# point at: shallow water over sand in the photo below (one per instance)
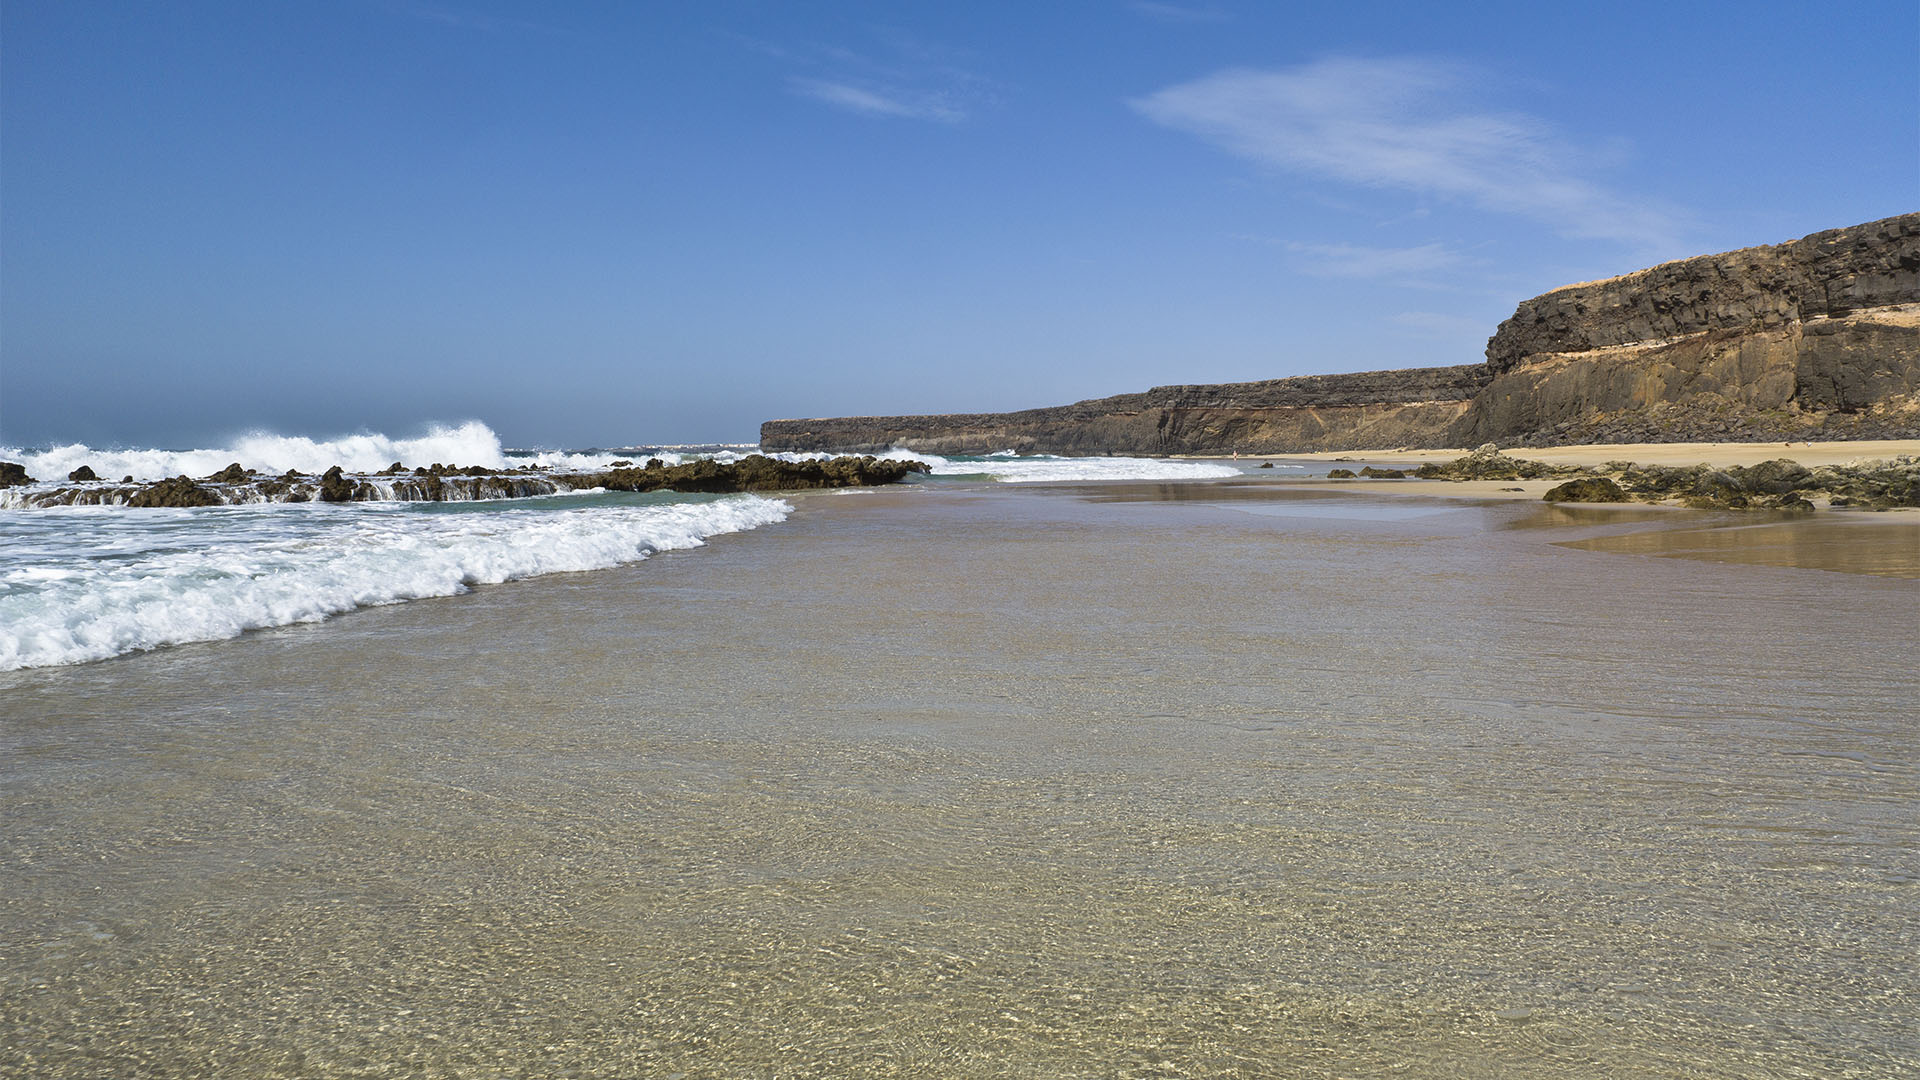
(997, 784)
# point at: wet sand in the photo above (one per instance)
(1142, 780)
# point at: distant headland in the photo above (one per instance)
(1817, 338)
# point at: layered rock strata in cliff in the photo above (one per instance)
(1816, 338)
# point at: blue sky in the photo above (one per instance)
(610, 223)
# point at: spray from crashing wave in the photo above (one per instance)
(470, 443)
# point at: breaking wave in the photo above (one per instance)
(1044, 469)
(471, 443)
(86, 583)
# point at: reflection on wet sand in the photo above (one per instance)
(1850, 543)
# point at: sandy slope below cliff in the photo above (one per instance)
(1716, 454)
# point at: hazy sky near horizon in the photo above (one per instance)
(616, 223)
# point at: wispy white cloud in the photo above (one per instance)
(1178, 13)
(1406, 124)
(1356, 261)
(876, 103)
(896, 75)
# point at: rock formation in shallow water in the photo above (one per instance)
(1814, 339)
(443, 483)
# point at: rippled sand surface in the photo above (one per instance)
(1138, 780)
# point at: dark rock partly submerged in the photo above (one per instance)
(452, 483)
(175, 491)
(1587, 489)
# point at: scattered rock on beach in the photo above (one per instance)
(82, 474)
(1591, 489)
(1383, 474)
(1488, 463)
(232, 474)
(1341, 474)
(13, 474)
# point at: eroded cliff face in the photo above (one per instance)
(1829, 274)
(1369, 409)
(1817, 338)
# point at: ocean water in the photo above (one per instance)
(1208, 777)
(86, 583)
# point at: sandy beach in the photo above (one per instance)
(1206, 779)
(1719, 455)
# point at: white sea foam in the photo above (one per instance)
(1035, 470)
(471, 443)
(1010, 468)
(82, 584)
(588, 461)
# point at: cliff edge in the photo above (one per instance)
(1818, 338)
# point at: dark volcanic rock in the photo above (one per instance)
(82, 474)
(1589, 489)
(1340, 474)
(175, 491)
(232, 474)
(755, 472)
(334, 487)
(1826, 275)
(1488, 463)
(1384, 474)
(1776, 477)
(13, 474)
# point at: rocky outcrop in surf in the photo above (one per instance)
(1818, 338)
(451, 483)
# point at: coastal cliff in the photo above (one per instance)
(1816, 338)
(1371, 408)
